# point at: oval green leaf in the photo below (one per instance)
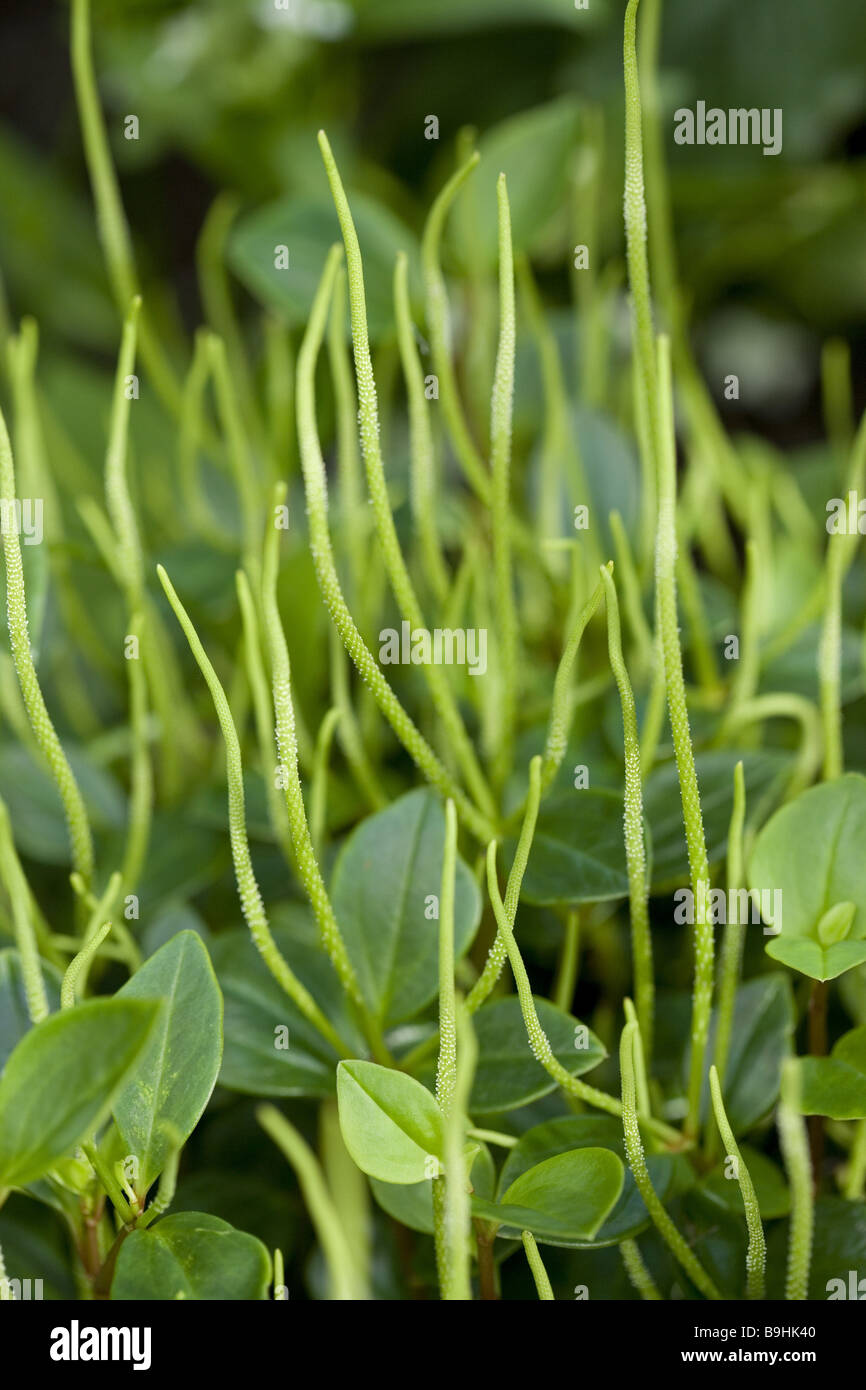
(564, 1198)
(390, 1123)
(191, 1256)
(812, 852)
(60, 1081)
(385, 877)
(163, 1099)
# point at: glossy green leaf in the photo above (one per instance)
(163, 1099)
(836, 1085)
(507, 1073)
(564, 1198)
(629, 1216)
(191, 1256)
(765, 774)
(271, 1049)
(760, 1041)
(387, 873)
(308, 227)
(838, 1265)
(811, 852)
(390, 1123)
(532, 149)
(412, 1203)
(60, 1081)
(578, 852)
(774, 1199)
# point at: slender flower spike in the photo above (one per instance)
(756, 1258)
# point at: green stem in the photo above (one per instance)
(263, 713)
(439, 326)
(538, 1039)
(558, 728)
(252, 905)
(638, 1274)
(635, 847)
(37, 713)
(536, 1264)
(421, 455)
(637, 1162)
(79, 963)
(566, 974)
(638, 267)
(317, 508)
(794, 1140)
(339, 1257)
(111, 221)
(735, 931)
(756, 1256)
(666, 550)
(499, 950)
(18, 892)
(500, 463)
(319, 786)
(398, 575)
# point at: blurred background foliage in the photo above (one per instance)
(229, 95)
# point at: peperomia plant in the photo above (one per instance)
(542, 970)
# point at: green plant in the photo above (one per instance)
(434, 867)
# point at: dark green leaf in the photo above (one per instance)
(386, 875)
(578, 851)
(260, 1019)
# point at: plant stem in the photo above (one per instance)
(398, 575)
(18, 892)
(566, 974)
(499, 950)
(78, 963)
(795, 1151)
(558, 727)
(635, 848)
(111, 221)
(315, 484)
(538, 1039)
(536, 1264)
(339, 1257)
(735, 931)
(252, 905)
(421, 454)
(756, 1256)
(638, 1274)
(37, 713)
(634, 204)
(439, 326)
(637, 1162)
(666, 549)
(500, 461)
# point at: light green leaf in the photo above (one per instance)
(812, 851)
(836, 1085)
(59, 1083)
(391, 1124)
(564, 1198)
(308, 227)
(163, 1099)
(192, 1256)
